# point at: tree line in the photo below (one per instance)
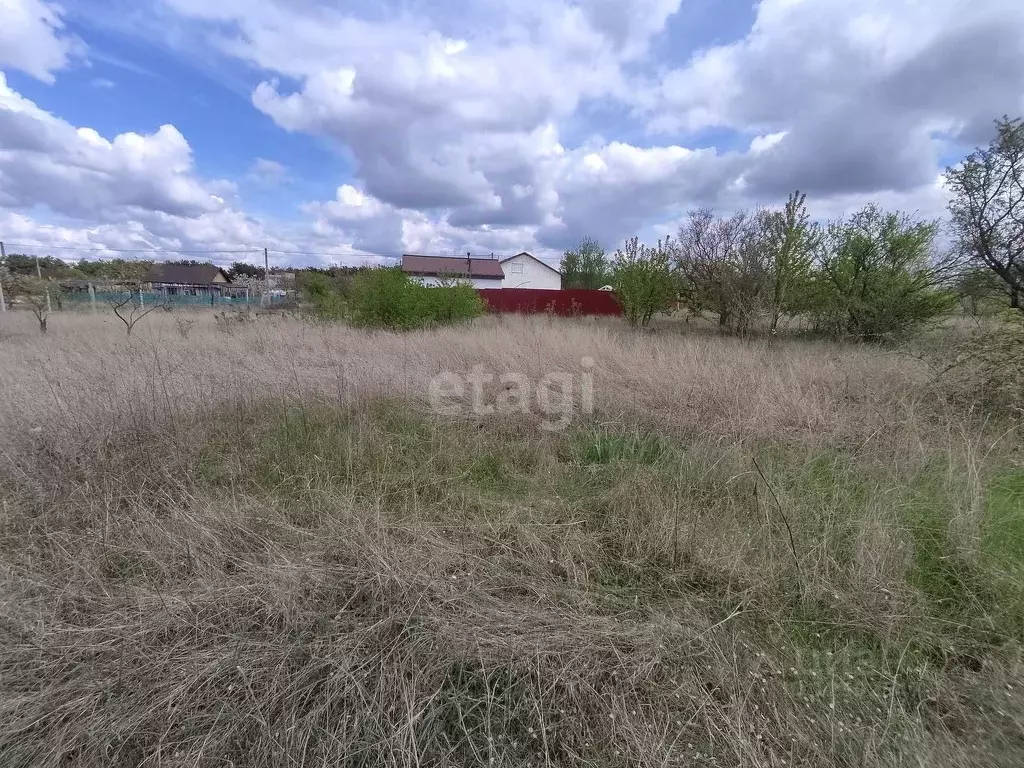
(54, 268)
(875, 274)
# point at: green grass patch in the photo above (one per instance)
(1003, 533)
(940, 572)
(602, 446)
(645, 503)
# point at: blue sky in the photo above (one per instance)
(346, 131)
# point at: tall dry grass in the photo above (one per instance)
(249, 543)
(87, 367)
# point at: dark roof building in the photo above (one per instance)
(198, 275)
(457, 266)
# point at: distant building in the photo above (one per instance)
(527, 271)
(436, 270)
(192, 279)
(183, 278)
(520, 271)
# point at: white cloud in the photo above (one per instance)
(457, 127)
(761, 144)
(45, 161)
(814, 55)
(73, 188)
(350, 205)
(464, 122)
(267, 172)
(32, 38)
(437, 122)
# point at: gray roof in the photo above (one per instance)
(185, 274)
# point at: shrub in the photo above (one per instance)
(449, 304)
(388, 298)
(325, 300)
(184, 326)
(877, 279)
(643, 282)
(989, 365)
(383, 298)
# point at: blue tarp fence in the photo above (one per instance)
(213, 299)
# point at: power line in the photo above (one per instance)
(200, 251)
(128, 250)
(339, 255)
(248, 251)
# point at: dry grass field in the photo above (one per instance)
(232, 543)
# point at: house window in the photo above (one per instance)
(516, 268)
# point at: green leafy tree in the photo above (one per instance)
(979, 290)
(112, 269)
(585, 266)
(877, 278)
(49, 266)
(189, 263)
(987, 207)
(790, 240)
(643, 281)
(747, 268)
(242, 269)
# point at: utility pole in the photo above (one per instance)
(3, 257)
(266, 279)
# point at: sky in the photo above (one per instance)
(348, 132)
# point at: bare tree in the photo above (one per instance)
(34, 292)
(129, 306)
(987, 208)
(723, 266)
(126, 298)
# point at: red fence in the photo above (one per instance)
(530, 301)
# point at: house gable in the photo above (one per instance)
(533, 258)
(526, 271)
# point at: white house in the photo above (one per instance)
(435, 270)
(519, 271)
(526, 271)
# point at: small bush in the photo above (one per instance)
(228, 322)
(325, 300)
(989, 366)
(184, 326)
(388, 298)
